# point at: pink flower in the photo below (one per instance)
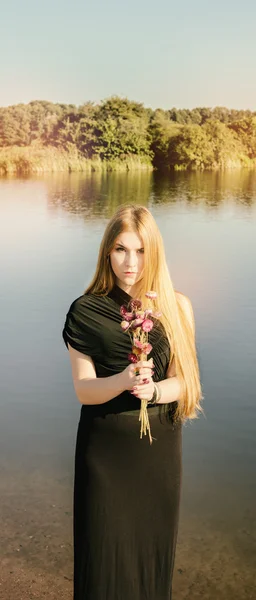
(138, 344)
(148, 311)
(136, 323)
(132, 357)
(156, 315)
(147, 325)
(125, 325)
(129, 316)
(152, 295)
(139, 314)
(147, 348)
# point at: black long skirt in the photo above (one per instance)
(126, 507)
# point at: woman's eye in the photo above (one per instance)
(141, 251)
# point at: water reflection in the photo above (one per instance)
(209, 188)
(48, 248)
(97, 195)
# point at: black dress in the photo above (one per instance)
(126, 491)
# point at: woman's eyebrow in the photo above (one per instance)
(123, 246)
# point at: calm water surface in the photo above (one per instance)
(50, 232)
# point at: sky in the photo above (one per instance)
(162, 53)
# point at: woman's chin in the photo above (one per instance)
(127, 281)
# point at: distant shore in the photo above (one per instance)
(35, 159)
(121, 135)
(28, 160)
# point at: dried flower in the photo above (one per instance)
(137, 323)
(129, 316)
(147, 348)
(152, 295)
(138, 343)
(132, 357)
(135, 304)
(136, 351)
(125, 325)
(147, 325)
(123, 310)
(139, 313)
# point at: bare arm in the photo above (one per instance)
(91, 389)
(170, 390)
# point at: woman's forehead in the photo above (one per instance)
(129, 239)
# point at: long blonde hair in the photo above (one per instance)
(156, 277)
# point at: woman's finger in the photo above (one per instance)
(143, 388)
(142, 379)
(142, 370)
(145, 363)
(145, 375)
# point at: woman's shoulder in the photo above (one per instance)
(81, 325)
(84, 302)
(78, 303)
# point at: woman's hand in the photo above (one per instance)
(140, 385)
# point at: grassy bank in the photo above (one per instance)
(26, 160)
(18, 160)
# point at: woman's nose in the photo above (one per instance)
(131, 261)
(131, 258)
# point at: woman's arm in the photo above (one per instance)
(170, 390)
(91, 389)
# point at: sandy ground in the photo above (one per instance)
(20, 581)
(215, 559)
(207, 566)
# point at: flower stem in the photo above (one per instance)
(143, 417)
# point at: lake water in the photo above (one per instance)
(50, 232)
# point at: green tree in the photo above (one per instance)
(122, 129)
(245, 129)
(192, 149)
(227, 148)
(162, 130)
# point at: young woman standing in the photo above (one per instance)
(127, 491)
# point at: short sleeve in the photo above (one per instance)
(76, 330)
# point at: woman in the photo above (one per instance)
(126, 491)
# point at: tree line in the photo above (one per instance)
(118, 129)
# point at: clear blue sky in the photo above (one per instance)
(162, 53)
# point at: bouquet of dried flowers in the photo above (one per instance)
(139, 321)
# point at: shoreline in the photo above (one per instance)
(28, 160)
(35, 159)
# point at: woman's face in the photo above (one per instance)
(127, 260)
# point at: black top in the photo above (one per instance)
(93, 327)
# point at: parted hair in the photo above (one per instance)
(179, 330)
